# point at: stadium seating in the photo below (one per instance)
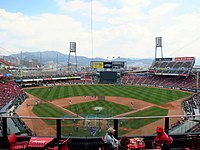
(8, 91)
(173, 66)
(164, 81)
(14, 145)
(62, 143)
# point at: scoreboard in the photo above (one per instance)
(107, 64)
(108, 77)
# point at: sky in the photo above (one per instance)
(101, 28)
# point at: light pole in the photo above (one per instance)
(197, 80)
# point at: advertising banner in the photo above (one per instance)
(97, 64)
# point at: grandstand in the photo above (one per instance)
(178, 66)
(173, 73)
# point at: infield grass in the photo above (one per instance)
(109, 109)
(48, 110)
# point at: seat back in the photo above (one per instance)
(14, 144)
(61, 143)
(12, 138)
(65, 144)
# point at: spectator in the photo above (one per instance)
(100, 129)
(162, 140)
(109, 138)
(124, 141)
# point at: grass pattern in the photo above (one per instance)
(153, 95)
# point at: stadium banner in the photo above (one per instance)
(191, 90)
(184, 58)
(73, 77)
(107, 65)
(163, 59)
(47, 79)
(17, 80)
(167, 87)
(63, 77)
(55, 78)
(97, 64)
(26, 80)
(37, 79)
(118, 64)
(7, 75)
(158, 73)
(182, 74)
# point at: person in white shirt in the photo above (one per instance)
(110, 139)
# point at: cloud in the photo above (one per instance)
(44, 32)
(163, 9)
(127, 29)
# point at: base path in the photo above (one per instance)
(174, 108)
(37, 126)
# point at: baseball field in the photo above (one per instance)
(83, 101)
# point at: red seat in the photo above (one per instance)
(64, 144)
(14, 144)
(105, 146)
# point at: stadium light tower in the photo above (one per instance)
(158, 44)
(21, 75)
(197, 80)
(72, 49)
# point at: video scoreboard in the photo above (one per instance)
(107, 64)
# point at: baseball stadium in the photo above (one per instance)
(98, 103)
(79, 107)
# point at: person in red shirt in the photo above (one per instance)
(162, 140)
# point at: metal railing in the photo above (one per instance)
(83, 127)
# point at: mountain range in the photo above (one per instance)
(62, 59)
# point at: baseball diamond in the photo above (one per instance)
(120, 101)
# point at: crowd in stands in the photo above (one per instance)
(165, 81)
(189, 107)
(196, 99)
(74, 81)
(3, 71)
(187, 122)
(191, 104)
(11, 94)
(36, 74)
(8, 92)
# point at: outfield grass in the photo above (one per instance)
(153, 95)
(137, 123)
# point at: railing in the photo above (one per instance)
(184, 129)
(97, 126)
